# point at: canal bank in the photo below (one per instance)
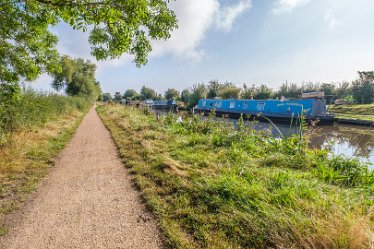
(215, 186)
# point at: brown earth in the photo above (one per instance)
(87, 201)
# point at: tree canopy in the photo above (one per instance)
(172, 93)
(130, 94)
(148, 93)
(27, 47)
(77, 77)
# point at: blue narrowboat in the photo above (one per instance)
(281, 111)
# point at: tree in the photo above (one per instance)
(77, 77)
(289, 90)
(148, 93)
(248, 92)
(328, 89)
(199, 91)
(106, 97)
(264, 92)
(213, 89)
(363, 88)
(117, 97)
(229, 90)
(186, 95)
(130, 94)
(172, 94)
(28, 48)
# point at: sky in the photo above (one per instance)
(243, 41)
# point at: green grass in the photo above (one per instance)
(361, 112)
(212, 186)
(28, 149)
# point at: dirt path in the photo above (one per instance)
(87, 201)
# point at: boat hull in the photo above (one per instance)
(324, 120)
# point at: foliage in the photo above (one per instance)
(148, 93)
(117, 97)
(186, 95)
(24, 108)
(107, 97)
(172, 94)
(264, 92)
(27, 47)
(130, 94)
(199, 91)
(214, 186)
(213, 89)
(363, 88)
(77, 77)
(248, 92)
(229, 90)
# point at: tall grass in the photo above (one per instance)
(216, 186)
(27, 108)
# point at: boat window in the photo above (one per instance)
(203, 103)
(219, 104)
(245, 105)
(232, 104)
(211, 104)
(260, 106)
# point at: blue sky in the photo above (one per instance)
(243, 41)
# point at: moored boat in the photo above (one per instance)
(311, 107)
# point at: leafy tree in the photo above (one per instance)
(213, 89)
(117, 97)
(289, 90)
(363, 88)
(328, 89)
(264, 92)
(199, 91)
(227, 92)
(27, 47)
(186, 95)
(343, 91)
(172, 93)
(130, 94)
(77, 77)
(148, 93)
(107, 97)
(248, 92)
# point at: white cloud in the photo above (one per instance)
(227, 15)
(282, 6)
(195, 18)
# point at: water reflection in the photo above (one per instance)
(351, 141)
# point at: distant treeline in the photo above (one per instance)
(359, 91)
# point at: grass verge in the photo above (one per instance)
(29, 151)
(360, 112)
(213, 186)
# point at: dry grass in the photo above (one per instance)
(26, 157)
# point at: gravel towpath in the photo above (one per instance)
(86, 201)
